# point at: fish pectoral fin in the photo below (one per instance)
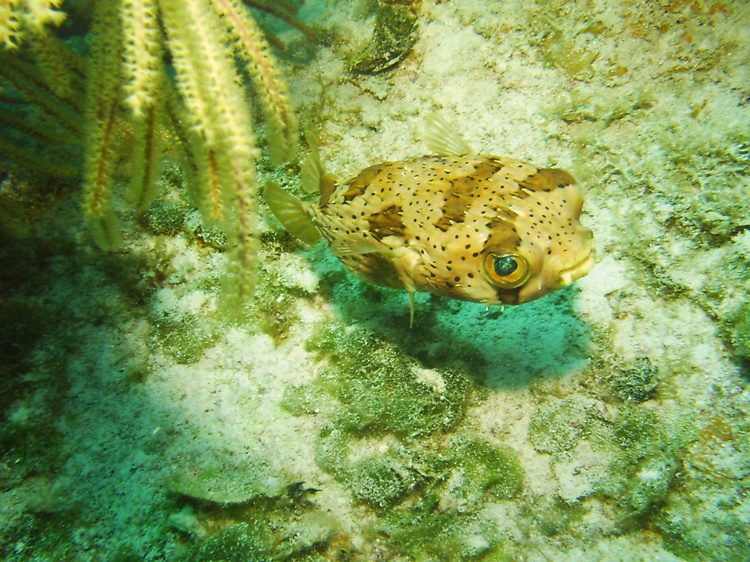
(442, 139)
(291, 213)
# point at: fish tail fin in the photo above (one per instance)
(313, 174)
(291, 213)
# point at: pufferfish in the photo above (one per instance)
(488, 229)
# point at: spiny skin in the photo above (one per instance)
(427, 224)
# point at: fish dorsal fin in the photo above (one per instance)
(442, 139)
(313, 176)
(291, 213)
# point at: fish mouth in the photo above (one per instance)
(578, 270)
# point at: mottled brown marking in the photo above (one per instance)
(485, 170)
(502, 237)
(376, 268)
(547, 179)
(507, 296)
(387, 222)
(456, 203)
(358, 185)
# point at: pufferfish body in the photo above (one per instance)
(488, 229)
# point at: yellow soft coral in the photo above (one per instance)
(128, 91)
(17, 15)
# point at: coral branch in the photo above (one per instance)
(127, 86)
(103, 99)
(252, 47)
(142, 54)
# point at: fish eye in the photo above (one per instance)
(507, 271)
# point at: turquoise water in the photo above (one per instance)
(142, 420)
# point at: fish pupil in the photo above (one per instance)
(505, 265)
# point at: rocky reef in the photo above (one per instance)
(145, 418)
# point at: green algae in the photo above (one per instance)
(381, 389)
(283, 524)
(381, 482)
(652, 483)
(551, 516)
(269, 538)
(381, 393)
(184, 337)
(395, 439)
(480, 469)
(737, 331)
(275, 317)
(165, 217)
(637, 383)
(648, 450)
(558, 425)
(423, 530)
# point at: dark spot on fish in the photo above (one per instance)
(503, 238)
(456, 204)
(387, 222)
(547, 178)
(357, 186)
(507, 296)
(375, 268)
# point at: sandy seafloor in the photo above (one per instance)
(608, 421)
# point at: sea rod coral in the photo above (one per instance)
(136, 103)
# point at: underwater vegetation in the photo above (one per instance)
(393, 438)
(608, 421)
(152, 80)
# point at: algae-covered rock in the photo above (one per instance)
(380, 482)
(738, 326)
(652, 483)
(637, 431)
(479, 467)
(238, 543)
(394, 35)
(165, 217)
(227, 485)
(425, 531)
(385, 391)
(636, 383)
(559, 424)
